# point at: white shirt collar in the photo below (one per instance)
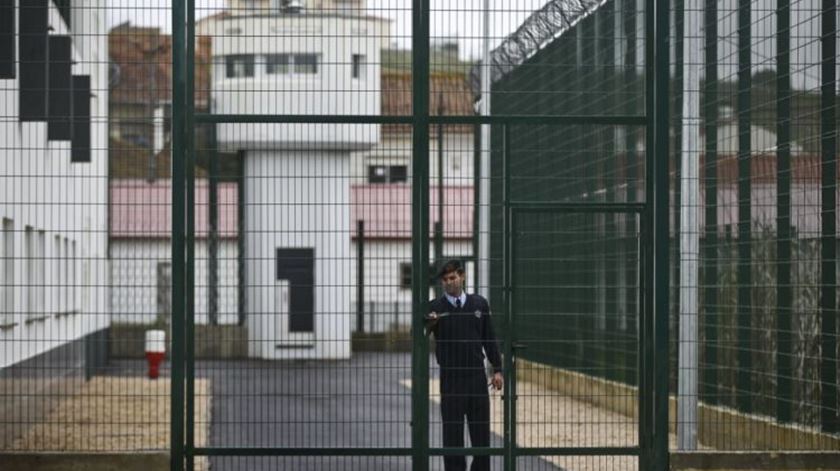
(452, 299)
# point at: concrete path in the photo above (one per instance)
(362, 402)
(355, 403)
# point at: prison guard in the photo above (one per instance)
(461, 336)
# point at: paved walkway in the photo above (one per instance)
(366, 402)
(362, 402)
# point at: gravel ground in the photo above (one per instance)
(548, 419)
(115, 414)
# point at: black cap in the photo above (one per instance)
(450, 266)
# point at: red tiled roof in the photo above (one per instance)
(139, 209)
(386, 210)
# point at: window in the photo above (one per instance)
(80, 139)
(29, 253)
(65, 276)
(40, 273)
(8, 272)
(240, 66)
(387, 174)
(32, 53)
(405, 275)
(7, 39)
(277, 63)
(358, 66)
(74, 285)
(64, 7)
(57, 275)
(285, 64)
(377, 174)
(398, 173)
(306, 63)
(58, 121)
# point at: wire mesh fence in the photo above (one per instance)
(754, 217)
(237, 215)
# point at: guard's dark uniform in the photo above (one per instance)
(462, 337)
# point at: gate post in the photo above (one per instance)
(420, 235)
(178, 236)
(660, 235)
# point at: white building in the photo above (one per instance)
(385, 210)
(53, 182)
(323, 59)
(378, 175)
(141, 252)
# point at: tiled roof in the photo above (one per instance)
(386, 210)
(139, 209)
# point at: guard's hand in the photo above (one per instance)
(432, 316)
(498, 381)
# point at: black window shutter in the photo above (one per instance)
(58, 124)
(7, 39)
(32, 94)
(80, 146)
(64, 7)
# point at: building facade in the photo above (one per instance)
(53, 205)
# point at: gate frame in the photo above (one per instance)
(653, 330)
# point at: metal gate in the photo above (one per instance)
(524, 244)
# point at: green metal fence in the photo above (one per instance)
(644, 190)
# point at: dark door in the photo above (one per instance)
(298, 266)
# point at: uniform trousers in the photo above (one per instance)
(465, 395)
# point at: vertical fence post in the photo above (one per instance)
(744, 382)
(176, 432)
(710, 117)
(689, 229)
(661, 237)
(631, 367)
(648, 232)
(241, 272)
(610, 266)
(420, 234)
(440, 196)
(676, 114)
(477, 140)
(509, 241)
(189, 154)
(784, 298)
(591, 355)
(828, 288)
(360, 276)
(213, 230)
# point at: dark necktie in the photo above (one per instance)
(458, 303)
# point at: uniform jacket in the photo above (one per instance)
(463, 336)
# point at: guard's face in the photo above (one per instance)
(453, 283)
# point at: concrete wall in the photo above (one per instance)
(212, 342)
(299, 200)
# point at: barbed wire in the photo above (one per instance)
(544, 25)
